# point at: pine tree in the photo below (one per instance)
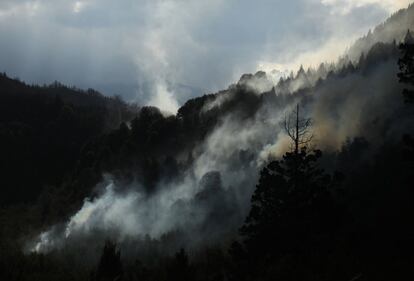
(292, 210)
(290, 206)
(406, 64)
(180, 268)
(406, 76)
(110, 265)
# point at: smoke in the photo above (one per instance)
(394, 28)
(129, 213)
(203, 204)
(118, 47)
(209, 201)
(164, 99)
(359, 107)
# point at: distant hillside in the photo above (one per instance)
(117, 110)
(41, 112)
(42, 132)
(92, 168)
(394, 28)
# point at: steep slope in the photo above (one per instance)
(394, 28)
(186, 180)
(42, 131)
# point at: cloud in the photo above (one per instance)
(346, 6)
(147, 44)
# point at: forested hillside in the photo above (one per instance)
(307, 179)
(43, 130)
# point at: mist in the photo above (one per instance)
(209, 200)
(139, 49)
(227, 140)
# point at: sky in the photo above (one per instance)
(161, 52)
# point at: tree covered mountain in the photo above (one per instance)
(43, 129)
(79, 168)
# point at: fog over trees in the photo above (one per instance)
(306, 178)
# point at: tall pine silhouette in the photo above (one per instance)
(292, 211)
(406, 76)
(110, 265)
(406, 64)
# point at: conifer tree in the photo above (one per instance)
(292, 208)
(406, 64)
(406, 76)
(110, 265)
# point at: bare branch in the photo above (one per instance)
(298, 129)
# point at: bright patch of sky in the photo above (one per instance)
(145, 47)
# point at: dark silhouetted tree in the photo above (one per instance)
(298, 129)
(406, 64)
(406, 76)
(110, 265)
(180, 268)
(292, 208)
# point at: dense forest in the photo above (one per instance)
(307, 179)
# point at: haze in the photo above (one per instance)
(163, 52)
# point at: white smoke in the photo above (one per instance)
(164, 99)
(225, 169)
(235, 149)
(130, 213)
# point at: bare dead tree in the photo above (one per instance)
(298, 129)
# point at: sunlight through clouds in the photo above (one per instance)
(28, 8)
(345, 6)
(143, 49)
(78, 6)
